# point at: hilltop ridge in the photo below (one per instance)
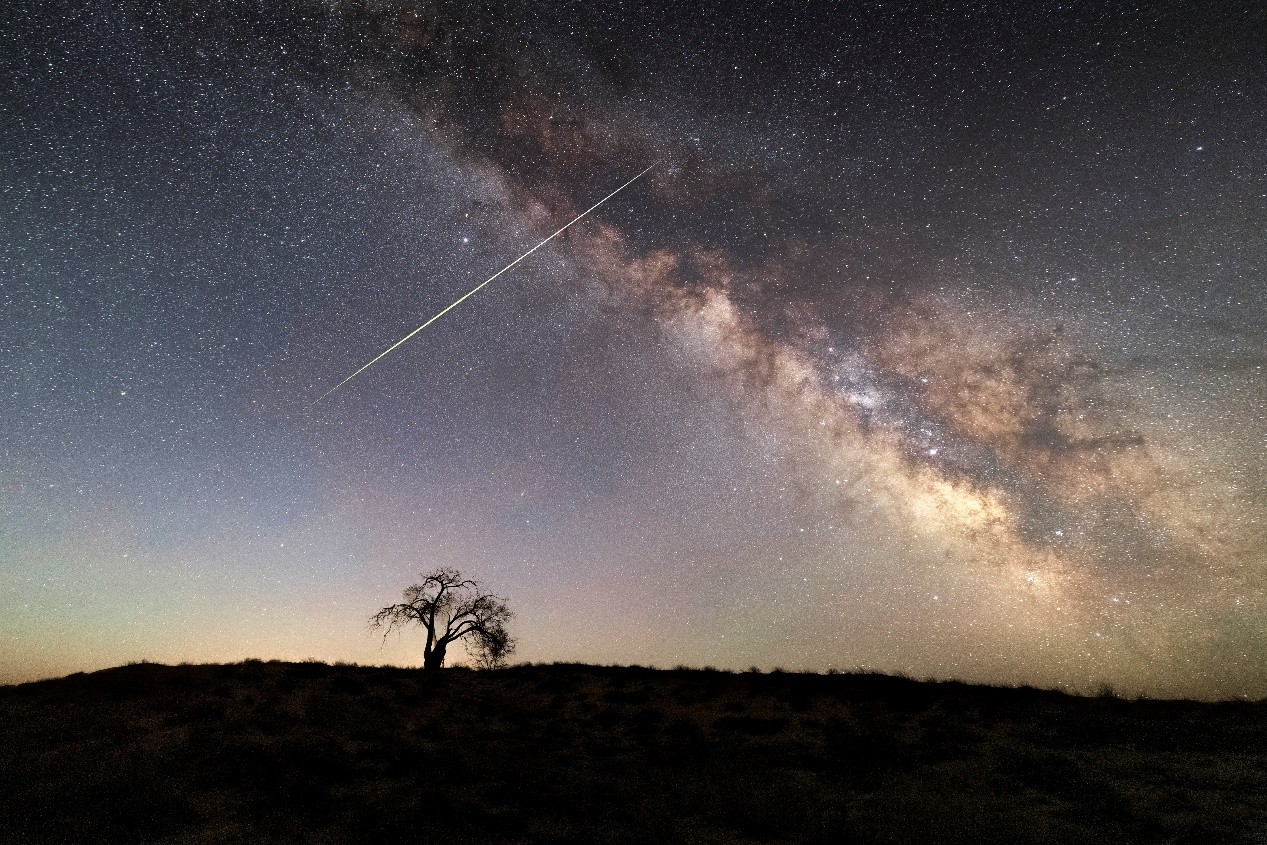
(289, 752)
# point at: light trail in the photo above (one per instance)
(472, 291)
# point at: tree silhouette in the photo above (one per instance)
(451, 608)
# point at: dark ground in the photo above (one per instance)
(305, 752)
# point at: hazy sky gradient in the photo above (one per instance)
(934, 343)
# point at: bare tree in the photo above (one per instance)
(451, 608)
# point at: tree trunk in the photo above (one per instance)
(434, 659)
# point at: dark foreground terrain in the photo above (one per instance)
(305, 752)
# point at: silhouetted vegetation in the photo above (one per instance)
(285, 752)
(450, 607)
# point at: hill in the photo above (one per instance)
(306, 752)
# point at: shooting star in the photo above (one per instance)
(473, 290)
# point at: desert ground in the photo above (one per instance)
(261, 752)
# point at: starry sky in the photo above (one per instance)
(934, 342)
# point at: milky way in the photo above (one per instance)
(934, 344)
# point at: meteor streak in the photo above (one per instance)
(470, 292)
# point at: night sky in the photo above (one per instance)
(934, 342)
